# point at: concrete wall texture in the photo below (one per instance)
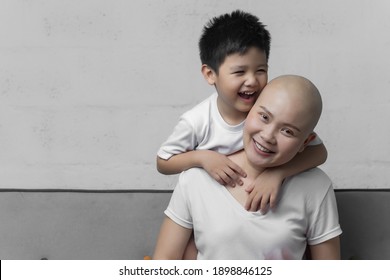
(89, 89)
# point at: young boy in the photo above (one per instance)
(234, 51)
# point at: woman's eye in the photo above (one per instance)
(288, 132)
(263, 116)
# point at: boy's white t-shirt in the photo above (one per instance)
(203, 128)
(223, 229)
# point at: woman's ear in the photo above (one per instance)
(208, 74)
(309, 138)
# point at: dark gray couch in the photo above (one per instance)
(365, 220)
(124, 225)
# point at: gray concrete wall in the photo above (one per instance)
(90, 89)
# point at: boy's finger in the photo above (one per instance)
(250, 188)
(272, 202)
(226, 179)
(233, 177)
(238, 169)
(219, 180)
(256, 203)
(252, 202)
(264, 210)
(248, 202)
(240, 182)
(263, 207)
(264, 204)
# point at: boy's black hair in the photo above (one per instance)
(229, 34)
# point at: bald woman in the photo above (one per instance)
(279, 125)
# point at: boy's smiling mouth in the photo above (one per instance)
(247, 94)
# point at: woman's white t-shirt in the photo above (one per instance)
(223, 229)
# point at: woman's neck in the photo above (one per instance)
(251, 171)
(239, 192)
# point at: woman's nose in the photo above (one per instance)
(268, 135)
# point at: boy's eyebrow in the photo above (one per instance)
(288, 124)
(245, 66)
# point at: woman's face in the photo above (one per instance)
(276, 128)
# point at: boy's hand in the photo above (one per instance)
(222, 169)
(264, 191)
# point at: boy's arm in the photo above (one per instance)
(265, 189)
(218, 166)
(178, 163)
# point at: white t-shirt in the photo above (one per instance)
(223, 229)
(203, 128)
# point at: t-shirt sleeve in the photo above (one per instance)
(178, 208)
(182, 139)
(325, 221)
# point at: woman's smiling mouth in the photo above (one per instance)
(262, 148)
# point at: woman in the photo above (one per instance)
(279, 126)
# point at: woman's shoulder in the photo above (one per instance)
(307, 189)
(315, 173)
(312, 179)
(196, 182)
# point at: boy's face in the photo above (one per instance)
(277, 127)
(239, 82)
